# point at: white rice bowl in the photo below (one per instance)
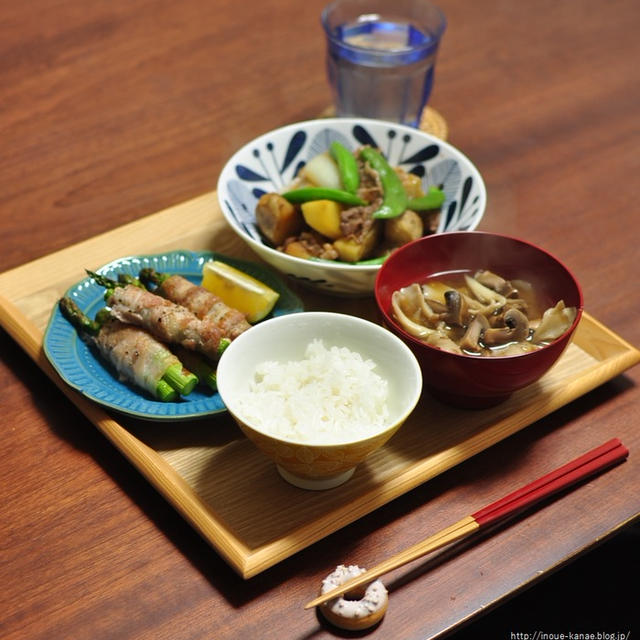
(317, 391)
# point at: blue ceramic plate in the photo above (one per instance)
(82, 368)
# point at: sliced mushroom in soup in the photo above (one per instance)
(480, 314)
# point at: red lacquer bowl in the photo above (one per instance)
(474, 381)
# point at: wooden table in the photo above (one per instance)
(112, 111)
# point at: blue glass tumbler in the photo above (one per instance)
(381, 56)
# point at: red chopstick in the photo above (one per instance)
(592, 462)
(586, 465)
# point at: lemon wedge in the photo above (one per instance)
(239, 290)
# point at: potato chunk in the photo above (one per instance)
(323, 216)
(353, 250)
(277, 218)
(404, 228)
(309, 244)
(411, 182)
(298, 250)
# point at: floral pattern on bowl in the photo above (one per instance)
(271, 161)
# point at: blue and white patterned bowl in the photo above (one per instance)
(270, 162)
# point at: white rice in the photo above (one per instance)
(331, 396)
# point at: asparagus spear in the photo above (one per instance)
(202, 368)
(108, 334)
(149, 276)
(108, 283)
(127, 278)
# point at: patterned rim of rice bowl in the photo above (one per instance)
(270, 162)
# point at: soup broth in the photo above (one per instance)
(480, 313)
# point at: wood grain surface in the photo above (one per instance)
(111, 111)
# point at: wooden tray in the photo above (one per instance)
(218, 480)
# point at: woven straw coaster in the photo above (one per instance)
(431, 121)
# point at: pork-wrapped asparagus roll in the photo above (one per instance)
(136, 356)
(163, 319)
(198, 300)
(196, 362)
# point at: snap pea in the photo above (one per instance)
(394, 201)
(373, 261)
(359, 263)
(433, 199)
(306, 194)
(347, 166)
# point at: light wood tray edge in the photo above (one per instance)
(147, 461)
(249, 562)
(425, 470)
(50, 275)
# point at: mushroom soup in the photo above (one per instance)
(480, 314)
